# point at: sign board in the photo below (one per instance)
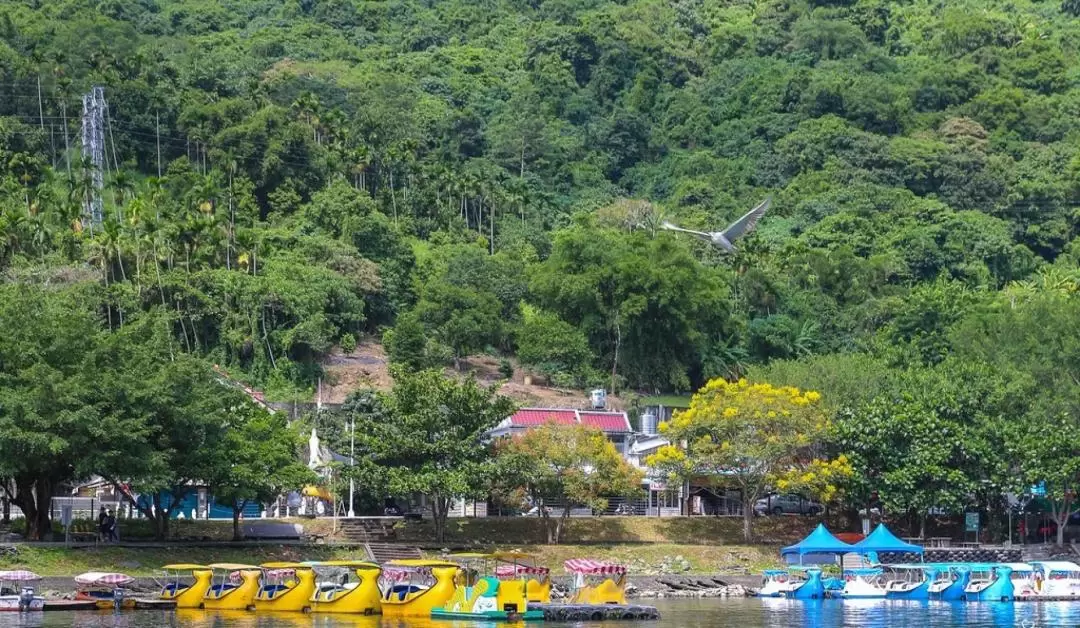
(1038, 490)
(971, 522)
(657, 486)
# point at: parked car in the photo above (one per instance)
(786, 504)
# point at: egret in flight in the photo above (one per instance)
(723, 239)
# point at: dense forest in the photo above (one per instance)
(284, 177)
(458, 177)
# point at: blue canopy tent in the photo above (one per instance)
(819, 547)
(882, 540)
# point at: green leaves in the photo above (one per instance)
(429, 436)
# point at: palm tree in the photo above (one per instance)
(112, 238)
(123, 187)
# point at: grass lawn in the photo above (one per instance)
(59, 561)
(647, 559)
(660, 558)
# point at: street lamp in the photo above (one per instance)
(352, 462)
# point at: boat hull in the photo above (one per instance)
(191, 596)
(10, 603)
(361, 600)
(810, 589)
(238, 598)
(104, 601)
(296, 598)
(919, 592)
(1000, 590)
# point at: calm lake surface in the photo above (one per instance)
(739, 613)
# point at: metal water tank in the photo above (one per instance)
(599, 398)
(648, 422)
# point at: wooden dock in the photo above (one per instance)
(595, 612)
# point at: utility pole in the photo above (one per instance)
(93, 150)
(352, 462)
(157, 133)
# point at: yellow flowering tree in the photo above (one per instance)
(749, 437)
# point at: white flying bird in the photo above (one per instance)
(723, 239)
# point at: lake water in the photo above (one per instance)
(713, 613)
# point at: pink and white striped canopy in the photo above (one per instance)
(280, 574)
(505, 571)
(395, 574)
(593, 567)
(18, 575)
(103, 577)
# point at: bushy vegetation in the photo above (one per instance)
(282, 177)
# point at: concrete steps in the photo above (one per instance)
(367, 530)
(382, 552)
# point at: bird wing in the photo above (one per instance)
(700, 234)
(747, 223)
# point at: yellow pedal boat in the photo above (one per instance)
(413, 588)
(517, 565)
(346, 586)
(285, 587)
(481, 594)
(186, 584)
(597, 582)
(232, 588)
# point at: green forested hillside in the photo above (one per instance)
(283, 177)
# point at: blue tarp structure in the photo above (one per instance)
(820, 546)
(882, 540)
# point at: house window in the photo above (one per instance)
(663, 499)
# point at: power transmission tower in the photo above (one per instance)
(93, 150)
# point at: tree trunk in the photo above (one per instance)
(439, 511)
(30, 494)
(238, 507)
(43, 496)
(562, 521)
(549, 529)
(748, 519)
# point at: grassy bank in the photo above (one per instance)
(642, 559)
(588, 530)
(137, 561)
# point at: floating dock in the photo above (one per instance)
(91, 605)
(595, 612)
(70, 605)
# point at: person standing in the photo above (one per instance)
(110, 525)
(103, 532)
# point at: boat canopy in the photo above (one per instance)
(882, 540)
(351, 564)
(818, 546)
(591, 567)
(506, 571)
(184, 567)
(18, 575)
(232, 566)
(95, 578)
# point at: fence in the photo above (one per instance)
(81, 507)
